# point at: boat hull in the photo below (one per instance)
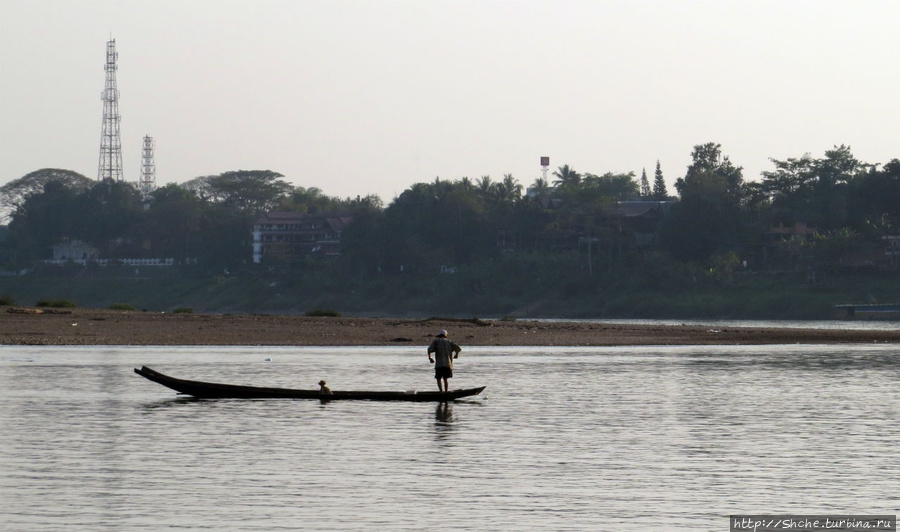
(212, 390)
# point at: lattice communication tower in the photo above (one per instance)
(110, 140)
(147, 184)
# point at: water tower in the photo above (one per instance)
(147, 183)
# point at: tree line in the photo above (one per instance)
(715, 222)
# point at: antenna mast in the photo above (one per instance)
(147, 184)
(110, 140)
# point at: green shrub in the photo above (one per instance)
(121, 306)
(183, 310)
(55, 303)
(7, 300)
(323, 312)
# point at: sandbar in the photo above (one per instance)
(84, 326)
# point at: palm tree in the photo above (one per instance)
(566, 176)
(540, 190)
(539, 186)
(485, 186)
(509, 189)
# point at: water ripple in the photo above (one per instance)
(565, 439)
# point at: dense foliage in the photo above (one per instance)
(570, 236)
(205, 221)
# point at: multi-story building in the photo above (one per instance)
(290, 235)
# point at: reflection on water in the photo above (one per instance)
(588, 439)
(443, 414)
(443, 421)
(169, 402)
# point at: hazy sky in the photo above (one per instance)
(357, 97)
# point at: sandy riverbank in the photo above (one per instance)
(108, 327)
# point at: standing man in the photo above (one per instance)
(444, 351)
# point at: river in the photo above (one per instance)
(648, 438)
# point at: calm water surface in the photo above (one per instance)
(857, 325)
(667, 438)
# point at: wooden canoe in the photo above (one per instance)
(211, 390)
